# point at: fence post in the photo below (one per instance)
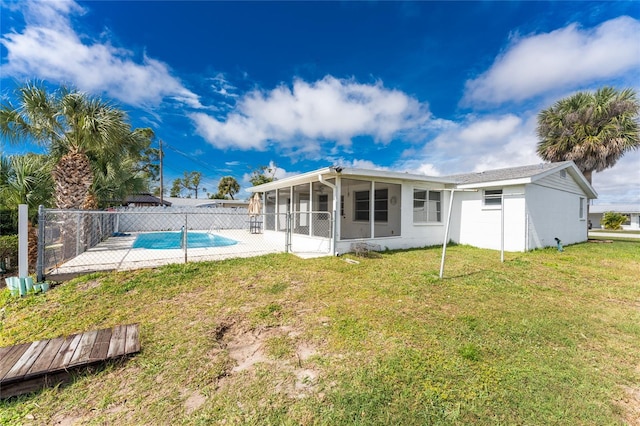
(287, 239)
(41, 244)
(186, 215)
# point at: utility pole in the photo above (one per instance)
(161, 178)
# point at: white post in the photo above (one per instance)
(502, 227)
(446, 234)
(23, 241)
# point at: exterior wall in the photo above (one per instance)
(561, 181)
(553, 213)
(478, 225)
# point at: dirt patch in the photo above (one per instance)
(195, 401)
(630, 404)
(247, 347)
(89, 285)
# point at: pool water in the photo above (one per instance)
(171, 240)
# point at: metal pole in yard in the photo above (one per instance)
(446, 234)
(502, 227)
(41, 245)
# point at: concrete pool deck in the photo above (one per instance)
(118, 254)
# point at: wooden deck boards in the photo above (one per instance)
(30, 366)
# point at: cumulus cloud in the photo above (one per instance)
(307, 114)
(620, 183)
(49, 48)
(476, 144)
(561, 59)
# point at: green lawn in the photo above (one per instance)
(545, 338)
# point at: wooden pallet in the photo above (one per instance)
(31, 366)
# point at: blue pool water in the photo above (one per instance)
(171, 240)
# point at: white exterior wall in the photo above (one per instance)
(553, 213)
(478, 225)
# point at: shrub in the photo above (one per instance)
(613, 220)
(8, 250)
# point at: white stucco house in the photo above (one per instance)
(515, 209)
(631, 211)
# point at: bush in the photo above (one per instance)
(8, 251)
(613, 220)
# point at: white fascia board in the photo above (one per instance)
(293, 180)
(509, 182)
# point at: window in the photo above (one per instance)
(582, 200)
(381, 205)
(323, 206)
(427, 206)
(493, 197)
(361, 210)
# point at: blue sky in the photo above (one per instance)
(425, 87)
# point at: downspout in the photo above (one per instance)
(332, 247)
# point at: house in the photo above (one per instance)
(515, 209)
(144, 199)
(631, 211)
(207, 202)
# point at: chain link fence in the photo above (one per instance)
(80, 241)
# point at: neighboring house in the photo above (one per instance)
(521, 207)
(632, 211)
(207, 202)
(143, 200)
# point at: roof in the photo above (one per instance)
(144, 198)
(204, 202)
(498, 177)
(522, 175)
(619, 208)
(505, 174)
(332, 172)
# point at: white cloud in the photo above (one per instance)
(307, 114)
(476, 144)
(561, 59)
(619, 184)
(49, 48)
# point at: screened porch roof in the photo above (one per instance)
(352, 173)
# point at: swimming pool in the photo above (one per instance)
(171, 240)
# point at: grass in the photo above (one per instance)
(545, 338)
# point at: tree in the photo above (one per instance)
(85, 135)
(264, 174)
(613, 220)
(25, 179)
(190, 182)
(593, 129)
(228, 186)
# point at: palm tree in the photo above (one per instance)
(228, 186)
(26, 179)
(593, 129)
(81, 132)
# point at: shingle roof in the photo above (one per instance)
(620, 208)
(145, 198)
(504, 174)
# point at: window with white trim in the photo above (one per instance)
(493, 197)
(361, 207)
(427, 206)
(582, 209)
(380, 205)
